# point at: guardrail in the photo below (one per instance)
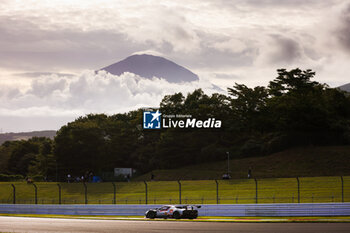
(305, 209)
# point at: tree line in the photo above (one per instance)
(293, 110)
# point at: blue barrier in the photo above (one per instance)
(293, 209)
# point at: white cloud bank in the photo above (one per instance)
(51, 100)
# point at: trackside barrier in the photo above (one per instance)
(304, 209)
(235, 191)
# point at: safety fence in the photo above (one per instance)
(237, 191)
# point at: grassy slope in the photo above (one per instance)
(308, 163)
(303, 162)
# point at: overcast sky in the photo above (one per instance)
(222, 41)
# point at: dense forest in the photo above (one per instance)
(293, 110)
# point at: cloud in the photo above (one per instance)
(26, 46)
(48, 88)
(65, 97)
(284, 50)
(149, 52)
(344, 31)
(199, 34)
(205, 36)
(38, 74)
(279, 3)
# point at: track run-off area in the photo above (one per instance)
(91, 224)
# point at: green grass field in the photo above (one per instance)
(236, 191)
(311, 161)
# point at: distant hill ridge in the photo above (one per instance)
(26, 135)
(345, 87)
(149, 66)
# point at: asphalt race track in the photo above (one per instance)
(26, 224)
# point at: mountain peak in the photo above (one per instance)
(149, 66)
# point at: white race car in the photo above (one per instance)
(174, 211)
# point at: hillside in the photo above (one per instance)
(345, 87)
(149, 66)
(302, 161)
(26, 135)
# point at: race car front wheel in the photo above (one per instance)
(176, 215)
(151, 214)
